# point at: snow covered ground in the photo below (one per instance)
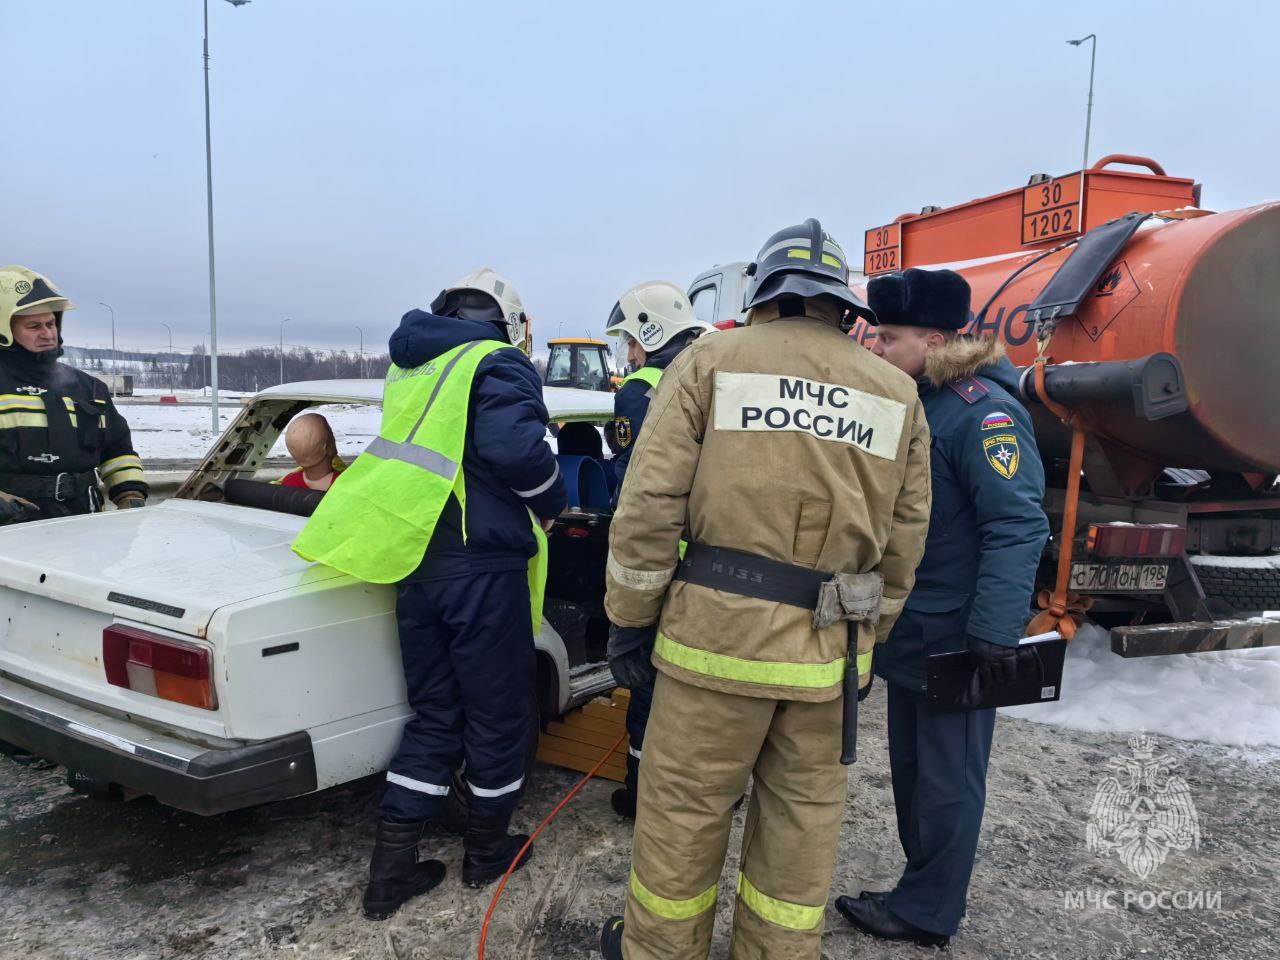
(183, 431)
(1232, 698)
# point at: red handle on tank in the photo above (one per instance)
(1130, 158)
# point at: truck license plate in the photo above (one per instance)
(1119, 577)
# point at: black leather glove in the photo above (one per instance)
(862, 694)
(16, 509)
(629, 651)
(997, 664)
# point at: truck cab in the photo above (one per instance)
(580, 363)
(718, 295)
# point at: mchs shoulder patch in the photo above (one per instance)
(622, 430)
(997, 421)
(769, 402)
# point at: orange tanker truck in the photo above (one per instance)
(1147, 331)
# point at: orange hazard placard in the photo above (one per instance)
(1051, 210)
(882, 250)
(1114, 291)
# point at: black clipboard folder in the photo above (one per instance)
(951, 678)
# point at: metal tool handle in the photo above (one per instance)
(849, 719)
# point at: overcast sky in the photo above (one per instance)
(367, 153)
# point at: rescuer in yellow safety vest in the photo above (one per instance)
(450, 502)
(654, 322)
(796, 465)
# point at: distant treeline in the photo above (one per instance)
(246, 370)
(259, 367)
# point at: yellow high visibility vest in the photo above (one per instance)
(375, 522)
(650, 375)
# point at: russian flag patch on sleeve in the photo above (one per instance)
(997, 421)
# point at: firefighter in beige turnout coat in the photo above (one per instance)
(786, 441)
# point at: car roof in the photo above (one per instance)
(562, 402)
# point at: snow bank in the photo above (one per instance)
(1231, 698)
(178, 432)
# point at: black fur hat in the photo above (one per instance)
(938, 299)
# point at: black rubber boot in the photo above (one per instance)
(611, 939)
(488, 849)
(624, 803)
(395, 875)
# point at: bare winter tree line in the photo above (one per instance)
(245, 370)
(259, 367)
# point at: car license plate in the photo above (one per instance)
(1119, 577)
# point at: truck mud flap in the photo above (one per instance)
(1166, 638)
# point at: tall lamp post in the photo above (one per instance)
(361, 332)
(208, 173)
(114, 370)
(1088, 120)
(169, 362)
(282, 323)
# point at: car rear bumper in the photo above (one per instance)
(189, 776)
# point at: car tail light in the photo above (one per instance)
(576, 532)
(159, 666)
(1135, 540)
(726, 324)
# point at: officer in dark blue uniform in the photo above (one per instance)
(654, 322)
(972, 591)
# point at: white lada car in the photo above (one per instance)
(182, 650)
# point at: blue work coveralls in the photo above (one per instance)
(466, 637)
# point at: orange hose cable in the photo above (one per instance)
(497, 894)
(1062, 607)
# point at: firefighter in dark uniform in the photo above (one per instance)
(973, 591)
(654, 322)
(61, 438)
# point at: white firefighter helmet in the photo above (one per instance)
(652, 313)
(24, 292)
(500, 303)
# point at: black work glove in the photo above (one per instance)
(997, 665)
(16, 509)
(629, 651)
(862, 694)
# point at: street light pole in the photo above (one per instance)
(114, 369)
(282, 323)
(208, 174)
(169, 361)
(1088, 121)
(361, 332)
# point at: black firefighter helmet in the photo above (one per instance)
(803, 261)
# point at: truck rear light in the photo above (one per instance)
(158, 666)
(726, 324)
(1135, 540)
